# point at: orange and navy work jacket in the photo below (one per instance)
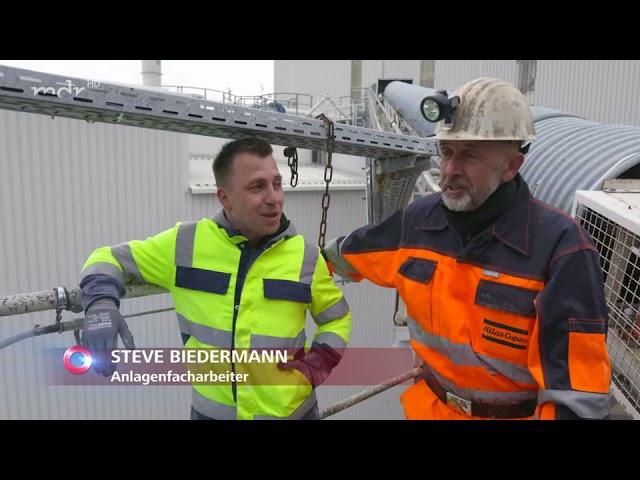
(518, 314)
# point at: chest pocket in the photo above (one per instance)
(203, 280)
(286, 303)
(287, 290)
(415, 285)
(504, 320)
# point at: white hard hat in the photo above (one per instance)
(489, 109)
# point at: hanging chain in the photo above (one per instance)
(292, 160)
(328, 174)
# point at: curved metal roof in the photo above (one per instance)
(571, 153)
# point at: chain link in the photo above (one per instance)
(328, 175)
(292, 160)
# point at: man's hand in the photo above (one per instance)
(102, 324)
(315, 365)
(338, 265)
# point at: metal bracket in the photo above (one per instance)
(63, 302)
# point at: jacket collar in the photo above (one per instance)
(286, 230)
(512, 228)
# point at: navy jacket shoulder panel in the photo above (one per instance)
(557, 232)
(386, 235)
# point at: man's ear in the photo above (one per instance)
(223, 197)
(513, 166)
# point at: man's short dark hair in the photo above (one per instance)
(224, 160)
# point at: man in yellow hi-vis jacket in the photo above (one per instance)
(242, 279)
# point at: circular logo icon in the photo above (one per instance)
(77, 360)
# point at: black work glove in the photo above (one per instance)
(316, 364)
(102, 324)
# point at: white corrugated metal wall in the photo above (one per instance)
(450, 74)
(319, 77)
(68, 187)
(606, 91)
(600, 90)
(374, 70)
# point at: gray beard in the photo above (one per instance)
(462, 204)
(466, 202)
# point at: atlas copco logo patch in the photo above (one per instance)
(505, 335)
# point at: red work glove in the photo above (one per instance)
(316, 364)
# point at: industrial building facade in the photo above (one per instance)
(604, 91)
(69, 186)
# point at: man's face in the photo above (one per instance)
(252, 195)
(470, 171)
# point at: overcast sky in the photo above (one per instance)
(243, 77)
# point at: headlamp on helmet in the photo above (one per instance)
(439, 106)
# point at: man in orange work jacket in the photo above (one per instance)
(504, 294)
